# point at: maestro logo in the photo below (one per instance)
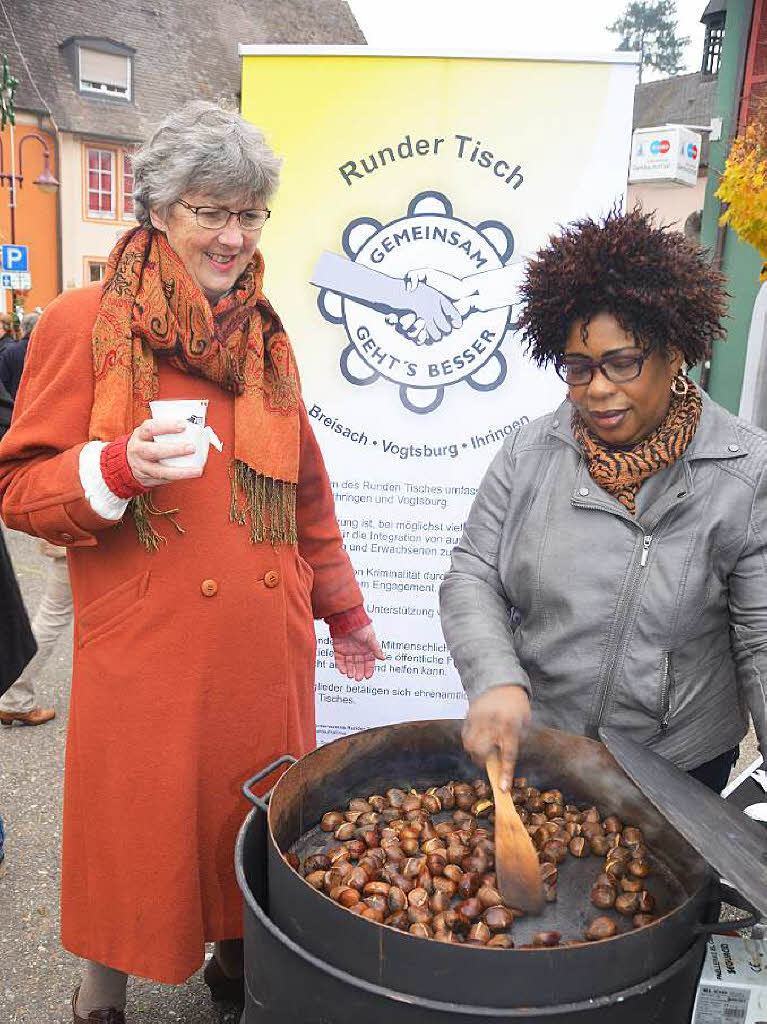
(425, 301)
(692, 150)
(660, 146)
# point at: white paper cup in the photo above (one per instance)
(757, 812)
(192, 412)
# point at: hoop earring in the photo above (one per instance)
(680, 385)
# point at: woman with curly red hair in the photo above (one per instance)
(613, 567)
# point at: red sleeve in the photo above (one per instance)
(346, 622)
(40, 489)
(335, 587)
(118, 476)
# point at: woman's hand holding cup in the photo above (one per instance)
(145, 457)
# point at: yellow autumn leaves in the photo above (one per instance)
(743, 187)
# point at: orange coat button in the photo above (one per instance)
(271, 579)
(209, 588)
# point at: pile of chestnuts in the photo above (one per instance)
(422, 862)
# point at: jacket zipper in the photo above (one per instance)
(665, 694)
(620, 645)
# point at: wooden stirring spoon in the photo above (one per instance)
(516, 862)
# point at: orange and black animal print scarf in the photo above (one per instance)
(621, 471)
(152, 309)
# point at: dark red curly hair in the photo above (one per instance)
(658, 286)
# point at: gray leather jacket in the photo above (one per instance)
(655, 623)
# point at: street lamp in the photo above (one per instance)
(46, 181)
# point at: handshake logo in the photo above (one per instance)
(426, 301)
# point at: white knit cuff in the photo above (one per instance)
(104, 502)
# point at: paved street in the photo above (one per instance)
(37, 977)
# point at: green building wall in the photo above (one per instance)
(741, 263)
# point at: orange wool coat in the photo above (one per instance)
(193, 666)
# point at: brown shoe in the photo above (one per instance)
(37, 716)
(109, 1015)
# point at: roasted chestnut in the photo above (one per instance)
(376, 889)
(600, 928)
(439, 902)
(399, 920)
(357, 878)
(489, 897)
(445, 885)
(549, 872)
(418, 898)
(631, 885)
(446, 797)
(498, 919)
(631, 836)
(646, 902)
(578, 846)
(372, 914)
(469, 884)
(316, 862)
(612, 824)
(316, 879)
(603, 896)
(627, 903)
(453, 872)
(470, 908)
(599, 844)
(547, 939)
(639, 867)
(293, 861)
(419, 915)
(501, 942)
(377, 902)
(457, 922)
(479, 934)
(421, 929)
(425, 881)
(347, 896)
(331, 821)
(640, 920)
(553, 851)
(396, 898)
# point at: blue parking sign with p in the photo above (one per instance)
(15, 257)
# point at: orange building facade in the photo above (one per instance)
(36, 214)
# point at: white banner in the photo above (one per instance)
(413, 187)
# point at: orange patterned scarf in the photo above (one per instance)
(150, 308)
(621, 471)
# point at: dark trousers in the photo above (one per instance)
(715, 774)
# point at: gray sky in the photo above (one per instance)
(554, 26)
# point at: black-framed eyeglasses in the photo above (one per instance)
(214, 218)
(618, 367)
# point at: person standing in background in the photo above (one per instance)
(12, 356)
(6, 331)
(54, 614)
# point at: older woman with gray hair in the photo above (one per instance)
(195, 583)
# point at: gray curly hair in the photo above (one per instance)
(207, 149)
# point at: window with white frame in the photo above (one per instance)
(100, 182)
(95, 270)
(127, 189)
(105, 73)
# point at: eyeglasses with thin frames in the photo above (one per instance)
(618, 367)
(214, 218)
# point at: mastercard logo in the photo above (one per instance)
(660, 146)
(692, 151)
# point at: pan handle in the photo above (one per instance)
(730, 895)
(262, 802)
